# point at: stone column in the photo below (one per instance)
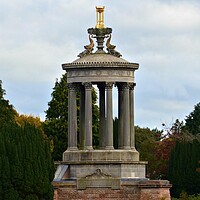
(82, 117)
(72, 117)
(132, 126)
(109, 117)
(120, 116)
(126, 116)
(88, 116)
(102, 137)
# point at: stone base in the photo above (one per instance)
(129, 189)
(100, 156)
(117, 170)
(104, 175)
(118, 164)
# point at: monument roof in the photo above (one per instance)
(101, 58)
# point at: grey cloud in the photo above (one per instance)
(162, 36)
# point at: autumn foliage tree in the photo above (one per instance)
(22, 120)
(147, 141)
(167, 141)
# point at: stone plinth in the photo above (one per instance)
(100, 156)
(118, 170)
(129, 189)
(117, 163)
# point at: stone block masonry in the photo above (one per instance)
(130, 190)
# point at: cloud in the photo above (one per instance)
(162, 36)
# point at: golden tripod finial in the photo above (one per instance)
(100, 16)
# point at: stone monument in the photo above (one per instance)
(86, 172)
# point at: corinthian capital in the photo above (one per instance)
(87, 85)
(72, 86)
(131, 86)
(109, 85)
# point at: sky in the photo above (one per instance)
(163, 36)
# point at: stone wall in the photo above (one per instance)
(148, 190)
(95, 193)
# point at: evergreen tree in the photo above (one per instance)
(26, 167)
(183, 165)
(7, 112)
(192, 124)
(56, 123)
(2, 91)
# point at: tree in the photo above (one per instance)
(7, 111)
(147, 141)
(56, 123)
(162, 152)
(27, 168)
(183, 166)
(26, 165)
(2, 91)
(169, 137)
(22, 120)
(192, 124)
(174, 129)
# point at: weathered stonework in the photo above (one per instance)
(104, 173)
(135, 190)
(100, 67)
(101, 156)
(98, 179)
(126, 170)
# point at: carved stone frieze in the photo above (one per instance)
(98, 173)
(100, 72)
(98, 179)
(87, 72)
(100, 75)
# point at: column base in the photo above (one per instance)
(72, 149)
(101, 148)
(133, 148)
(88, 148)
(109, 148)
(127, 147)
